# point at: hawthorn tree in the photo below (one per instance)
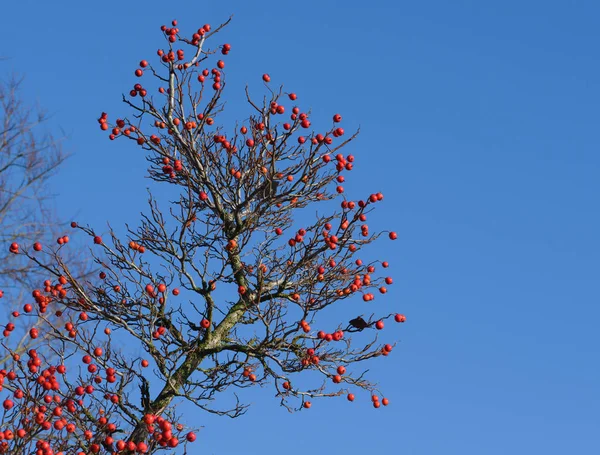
(221, 287)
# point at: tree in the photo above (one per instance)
(28, 159)
(234, 239)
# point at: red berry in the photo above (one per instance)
(267, 78)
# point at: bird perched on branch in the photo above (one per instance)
(268, 189)
(145, 394)
(358, 323)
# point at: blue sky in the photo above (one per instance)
(479, 124)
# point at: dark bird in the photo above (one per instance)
(263, 193)
(358, 323)
(145, 392)
(268, 189)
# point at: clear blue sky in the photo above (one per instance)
(480, 125)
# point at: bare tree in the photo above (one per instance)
(221, 287)
(29, 157)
